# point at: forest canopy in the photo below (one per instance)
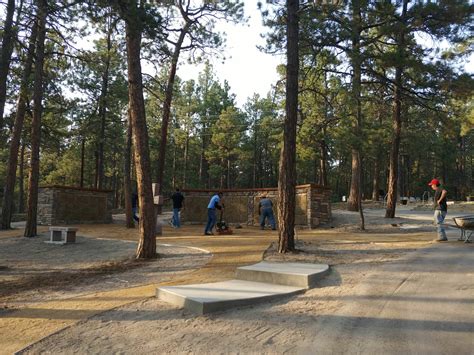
(354, 67)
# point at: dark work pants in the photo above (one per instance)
(267, 213)
(211, 220)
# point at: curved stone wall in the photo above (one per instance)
(313, 205)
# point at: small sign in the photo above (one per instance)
(158, 200)
(155, 188)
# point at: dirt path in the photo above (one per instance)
(418, 305)
(29, 322)
(126, 320)
(342, 309)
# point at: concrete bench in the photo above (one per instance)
(62, 235)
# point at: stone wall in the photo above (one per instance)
(72, 205)
(312, 205)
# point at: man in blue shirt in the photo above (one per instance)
(214, 203)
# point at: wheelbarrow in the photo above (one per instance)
(466, 225)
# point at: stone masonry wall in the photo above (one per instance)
(313, 205)
(71, 205)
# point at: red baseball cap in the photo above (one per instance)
(434, 182)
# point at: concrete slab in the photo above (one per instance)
(218, 296)
(290, 274)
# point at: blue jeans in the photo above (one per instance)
(211, 220)
(134, 212)
(439, 220)
(267, 213)
(175, 220)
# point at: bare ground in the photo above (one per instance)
(151, 326)
(34, 271)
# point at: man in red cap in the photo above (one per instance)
(440, 207)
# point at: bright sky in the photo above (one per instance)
(247, 70)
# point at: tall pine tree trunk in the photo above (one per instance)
(127, 183)
(255, 141)
(147, 243)
(33, 181)
(21, 181)
(173, 172)
(397, 121)
(185, 159)
(17, 131)
(96, 174)
(394, 151)
(359, 200)
(103, 110)
(378, 158)
(323, 177)
(115, 187)
(83, 155)
(204, 175)
(287, 166)
(354, 194)
(5, 57)
(167, 107)
(375, 179)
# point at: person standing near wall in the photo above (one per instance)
(214, 203)
(440, 208)
(178, 204)
(265, 210)
(135, 206)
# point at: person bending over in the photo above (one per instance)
(214, 203)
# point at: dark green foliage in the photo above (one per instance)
(212, 143)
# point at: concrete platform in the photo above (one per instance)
(219, 296)
(256, 283)
(291, 274)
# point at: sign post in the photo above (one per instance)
(157, 202)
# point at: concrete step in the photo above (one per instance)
(219, 296)
(291, 274)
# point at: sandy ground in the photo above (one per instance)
(146, 325)
(36, 271)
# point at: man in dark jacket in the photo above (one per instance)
(178, 204)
